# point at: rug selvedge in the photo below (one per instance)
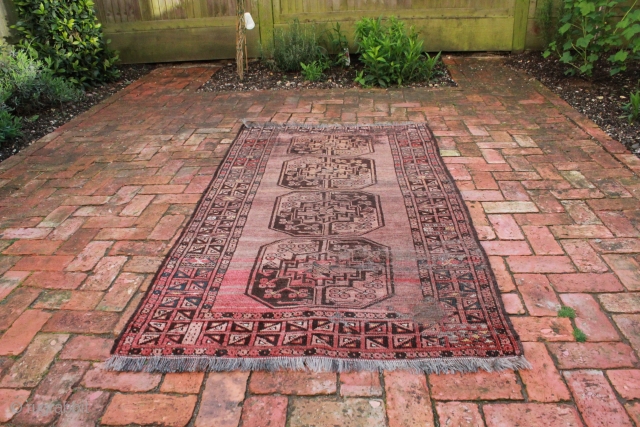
(326, 294)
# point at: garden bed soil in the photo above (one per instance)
(260, 77)
(600, 99)
(39, 123)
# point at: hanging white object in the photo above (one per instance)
(248, 21)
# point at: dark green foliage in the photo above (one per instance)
(295, 45)
(590, 31)
(579, 335)
(10, 126)
(567, 312)
(68, 38)
(632, 108)
(391, 54)
(314, 71)
(26, 84)
(339, 46)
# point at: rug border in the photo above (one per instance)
(167, 364)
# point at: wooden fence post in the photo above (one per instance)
(520, 21)
(265, 16)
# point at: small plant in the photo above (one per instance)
(314, 71)
(632, 108)
(28, 84)
(10, 126)
(67, 37)
(591, 31)
(431, 63)
(579, 335)
(295, 45)
(391, 54)
(339, 46)
(567, 312)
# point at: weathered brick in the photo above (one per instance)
(293, 382)
(621, 302)
(360, 384)
(264, 411)
(540, 264)
(27, 371)
(162, 409)
(531, 414)
(11, 401)
(221, 399)
(543, 382)
(32, 247)
(506, 227)
(121, 292)
(43, 263)
(86, 347)
(352, 412)
(182, 382)
(459, 414)
(542, 241)
(104, 273)
(595, 399)
(537, 294)
(629, 324)
(15, 304)
(626, 268)
(98, 377)
(81, 322)
(593, 355)
(590, 318)
(626, 382)
(585, 282)
(480, 385)
(407, 397)
(90, 255)
(86, 407)
(55, 280)
(584, 257)
(543, 328)
(22, 331)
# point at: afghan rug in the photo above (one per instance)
(325, 248)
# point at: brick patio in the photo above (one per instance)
(87, 214)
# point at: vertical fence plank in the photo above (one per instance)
(520, 21)
(265, 19)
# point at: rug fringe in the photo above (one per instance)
(257, 125)
(167, 364)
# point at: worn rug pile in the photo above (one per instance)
(325, 248)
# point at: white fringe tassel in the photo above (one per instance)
(314, 364)
(291, 125)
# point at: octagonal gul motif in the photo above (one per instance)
(327, 173)
(327, 213)
(331, 145)
(339, 273)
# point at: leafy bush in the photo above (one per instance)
(67, 36)
(339, 46)
(10, 126)
(632, 108)
(295, 45)
(390, 54)
(313, 72)
(27, 84)
(590, 31)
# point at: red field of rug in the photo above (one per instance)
(326, 248)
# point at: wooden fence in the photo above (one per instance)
(182, 30)
(178, 30)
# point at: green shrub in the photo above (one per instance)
(339, 46)
(10, 126)
(590, 32)
(26, 84)
(67, 36)
(295, 45)
(314, 71)
(390, 54)
(632, 108)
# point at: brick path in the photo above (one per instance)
(87, 214)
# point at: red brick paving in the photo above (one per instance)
(88, 212)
